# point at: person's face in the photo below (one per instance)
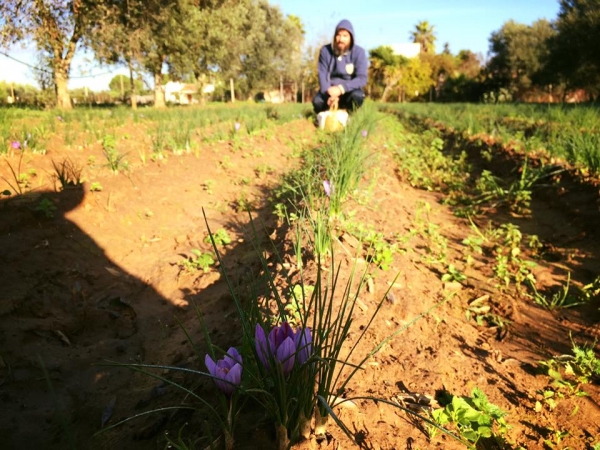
(342, 40)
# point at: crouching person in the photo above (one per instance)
(342, 72)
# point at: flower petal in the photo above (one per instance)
(210, 365)
(286, 355)
(303, 345)
(235, 375)
(262, 347)
(232, 357)
(327, 188)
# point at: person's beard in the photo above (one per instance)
(341, 48)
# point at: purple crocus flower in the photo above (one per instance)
(285, 346)
(59, 118)
(228, 371)
(303, 345)
(364, 133)
(237, 126)
(15, 145)
(327, 188)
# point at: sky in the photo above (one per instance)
(463, 24)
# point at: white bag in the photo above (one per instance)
(332, 120)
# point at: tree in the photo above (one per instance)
(273, 46)
(574, 58)
(416, 79)
(385, 70)
(56, 27)
(518, 53)
(424, 35)
(120, 84)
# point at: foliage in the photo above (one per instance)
(583, 365)
(518, 53)
(55, 28)
(115, 160)
(198, 261)
(47, 207)
(220, 237)
(385, 68)
(424, 35)
(67, 173)
(474, 417)
(572, 50)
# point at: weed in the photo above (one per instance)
(95, 186)
(47, 207)
(243, 203)
(67, 173)
(453, 274)
(16, 174)
(198, 261)
(220, 237)
(480, 310)
(583, 366)
(379, 251)
(208, 186)
(474, 417)
(115, 160)
(559, 300)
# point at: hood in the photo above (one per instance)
(346, 25)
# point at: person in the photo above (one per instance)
(342, 71)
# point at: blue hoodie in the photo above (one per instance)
(348, 70)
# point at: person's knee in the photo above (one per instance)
(352, 100)
(319, 103)
(357, 97)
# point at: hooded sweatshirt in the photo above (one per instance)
(348, 70)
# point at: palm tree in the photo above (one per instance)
(425, 36)
(386, 69)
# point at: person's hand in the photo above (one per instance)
(334, 91)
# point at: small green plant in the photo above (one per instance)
(47, 207)
(555, 437)
(453, 274)
(379, 251)
(95, 186)
(67, 173)
(208, 186)
(220, 237)
(583, 366)
(474, 417)
(198, 261)
(242, 203)
(294, 308)
(481, 311)
(17, 187)
(559, 300)
(115, 160)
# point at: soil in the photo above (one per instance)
(101, 280)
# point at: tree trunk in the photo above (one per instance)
(159, 95)
(63, 99)
(385, 94)
(133, 95)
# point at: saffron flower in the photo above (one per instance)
(327, 188)
(16, 145)
(364, 133)
(283, 345)
(227, 371)
(303, 345)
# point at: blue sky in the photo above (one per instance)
(464, 24)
